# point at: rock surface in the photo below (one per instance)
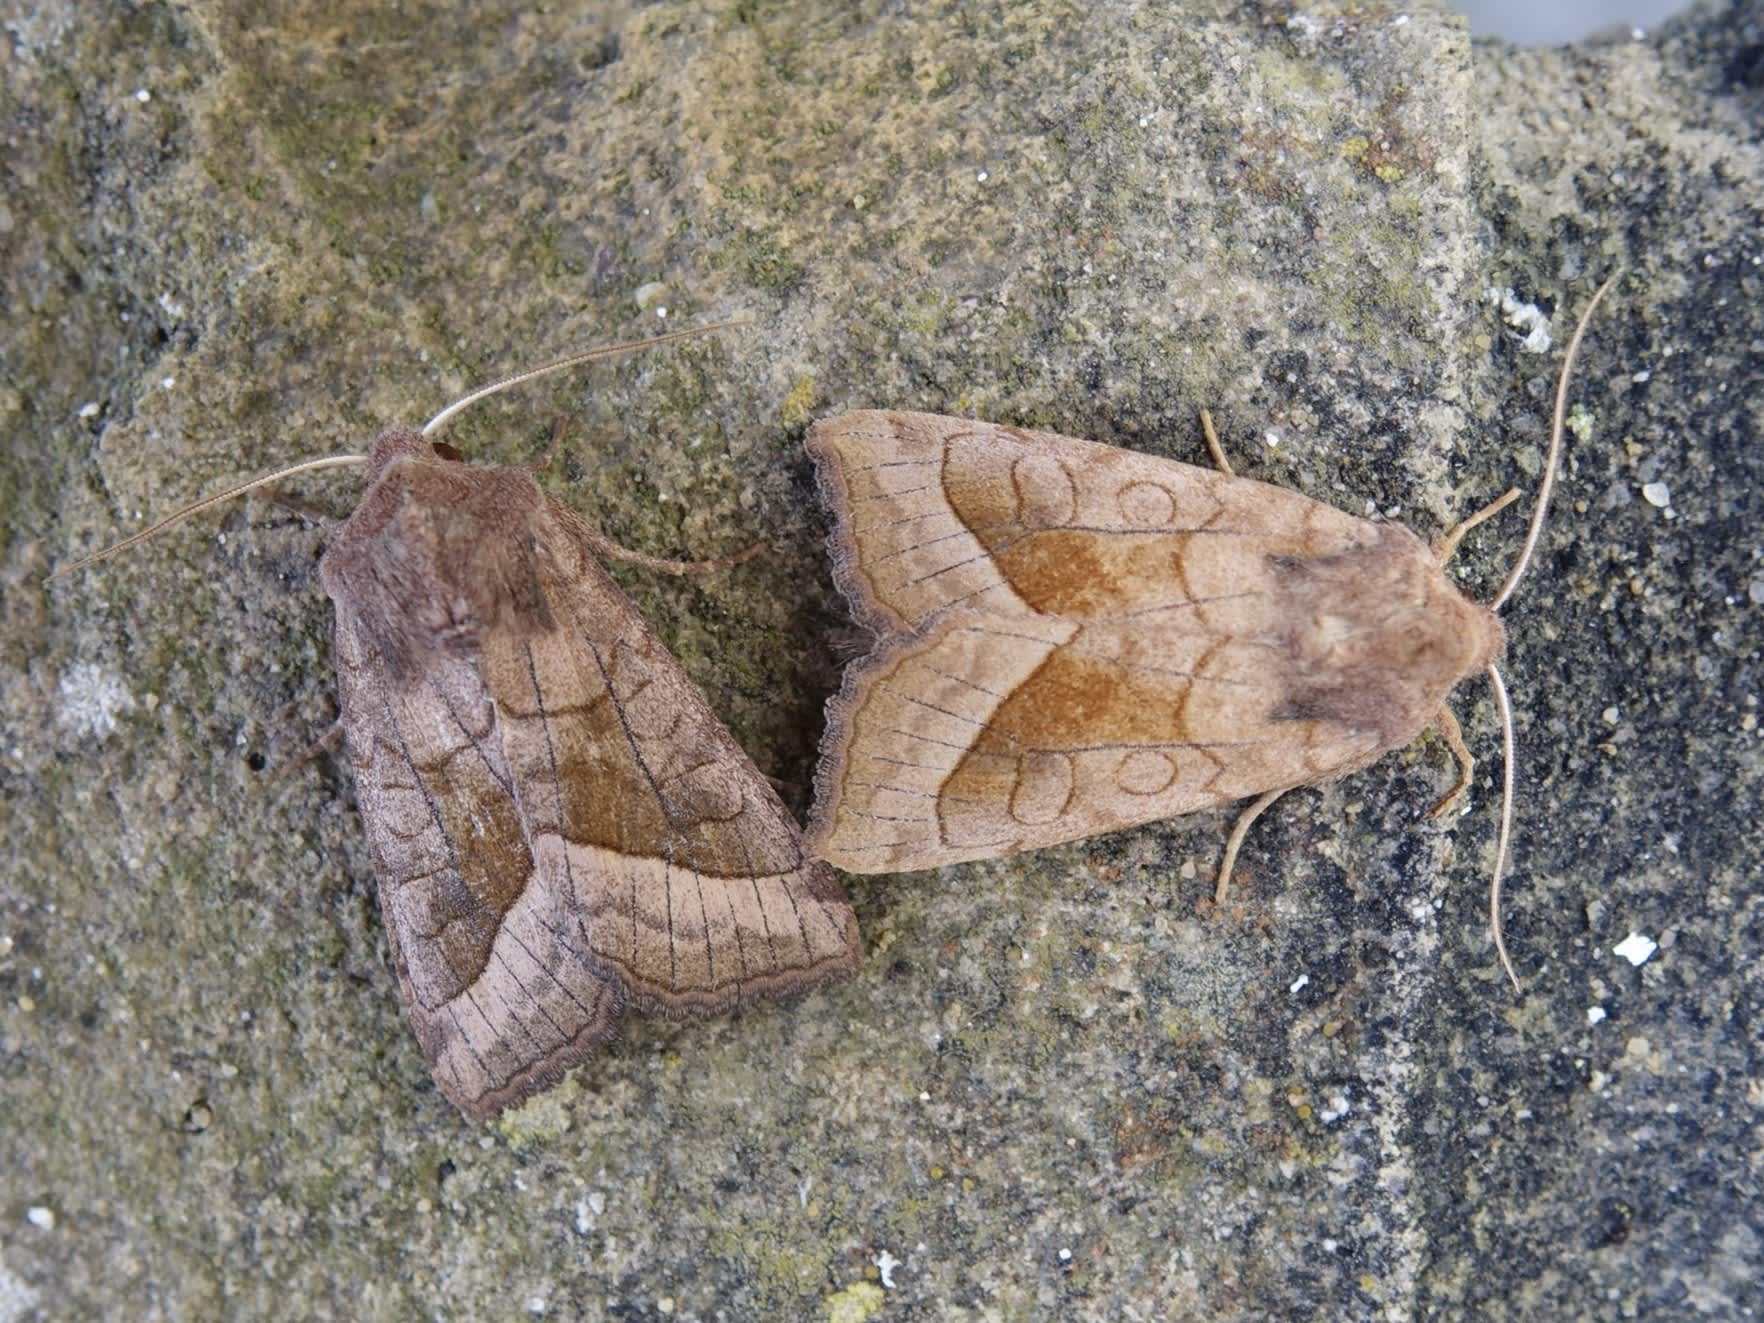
(235, 237)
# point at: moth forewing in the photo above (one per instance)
(559, 824)
(1077, 638)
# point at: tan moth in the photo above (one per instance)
(1073, 638)
(559, 824)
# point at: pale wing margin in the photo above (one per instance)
(900, 552)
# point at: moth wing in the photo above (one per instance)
(495, 975)
(688, 873)
(1074, 638)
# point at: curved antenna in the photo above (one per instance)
(574, 360)
(1506, 833)
(1509, 745)
(337, 461)
(178, 516)
(1557, 427)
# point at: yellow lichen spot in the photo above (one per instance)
(967, 1185)
(1304, 1111)
(1356, 147)
(800, 403)
(1390, 174)
(1368, 1284)
(544, 1118)
(1581, 422)
(937, 1173)
(857, 1302)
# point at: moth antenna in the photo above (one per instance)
(1547, 486)
(575, 360)
(178, 516)
(1508, 751)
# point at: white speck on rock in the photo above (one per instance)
(92, 699)
(886, 1263)
(1657, 494)
(1636, 949)
(1595, 1014)
(40, 1217)
(588, 1211)
(1527, 317)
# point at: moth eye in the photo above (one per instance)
(444, 451)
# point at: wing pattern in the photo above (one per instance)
(1075, 638)
(559, 824)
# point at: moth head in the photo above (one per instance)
(397, 443)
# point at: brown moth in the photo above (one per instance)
(1074, 638)
(560, 826)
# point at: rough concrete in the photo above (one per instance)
(234, 236)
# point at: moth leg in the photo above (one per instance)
(602, 545)
(1447, 724)
(1235, 840)
(557, 435)
(324, 742)
(305, 509)
(1443, 549)
(1213, 447)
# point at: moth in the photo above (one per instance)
(1073, 638)
(560, 826)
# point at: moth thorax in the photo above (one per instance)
(1376, 637)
